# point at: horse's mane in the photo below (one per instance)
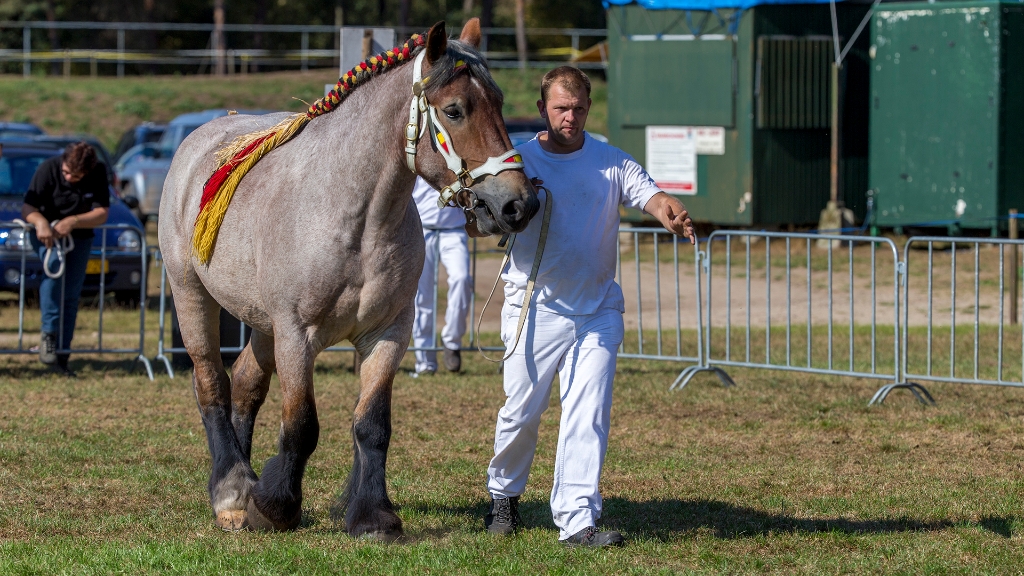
(239, 156)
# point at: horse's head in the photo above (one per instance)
(471, 159)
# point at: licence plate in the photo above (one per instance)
(94, 266)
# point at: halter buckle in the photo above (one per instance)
(465, 178)
(411, 132)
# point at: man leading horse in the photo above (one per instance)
(574, 324)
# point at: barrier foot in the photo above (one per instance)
(919, 392)
(167, 365)
(690, 371)
(145, 362)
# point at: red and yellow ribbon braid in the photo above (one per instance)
(236, 159)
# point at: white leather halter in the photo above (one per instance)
(464, 178)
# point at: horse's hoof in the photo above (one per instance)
(382, 536)
(231, 520)
(257, 521)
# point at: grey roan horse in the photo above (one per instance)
(321, 243)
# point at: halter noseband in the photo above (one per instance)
(464, 178)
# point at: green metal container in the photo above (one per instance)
(947, 117)
(762, 76)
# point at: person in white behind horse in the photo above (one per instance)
(445, 236)
(574, 323)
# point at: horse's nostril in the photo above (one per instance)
(514, 210)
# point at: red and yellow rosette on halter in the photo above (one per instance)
(236, 159)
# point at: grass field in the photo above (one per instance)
(106, 107)
(782, 474)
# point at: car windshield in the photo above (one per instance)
(172, 137)
(16, 172)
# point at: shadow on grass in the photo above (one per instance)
(668, 519)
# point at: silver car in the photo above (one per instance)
(141, 169)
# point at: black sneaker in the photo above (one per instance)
(452, 360)
(48, 348)
(590, 537)
(61, 367)
(503, 518)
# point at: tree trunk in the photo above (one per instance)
(403, 16)
(521, 32)
(486, 16)
(53, 34)
(218, 37)
(260, 17)
(467, 10)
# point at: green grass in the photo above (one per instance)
(106, 107)
(785, 473)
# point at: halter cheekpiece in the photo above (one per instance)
(458, 193)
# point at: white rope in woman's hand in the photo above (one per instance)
(63, 246)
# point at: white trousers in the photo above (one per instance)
(582, 351)
(453, 248)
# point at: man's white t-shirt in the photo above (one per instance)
(577, 270)
(425, 197)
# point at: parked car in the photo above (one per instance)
(145, 133)
(142, 168)
(19, 130)
(18, 163)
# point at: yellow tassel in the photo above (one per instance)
(204, 237)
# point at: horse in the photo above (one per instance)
(320, 243)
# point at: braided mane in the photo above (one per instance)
(240, 155)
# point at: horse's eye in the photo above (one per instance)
(452, 113)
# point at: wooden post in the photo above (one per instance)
(521, 33)
(1014, 270)
(218, 38)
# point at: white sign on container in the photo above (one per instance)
(672, 158)
(710, 140)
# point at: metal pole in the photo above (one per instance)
(1014, 271)
(120, 53)
(26, 50)
(305, 51)
(834, 163)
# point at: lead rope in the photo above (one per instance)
(63, 246)
(530, 283)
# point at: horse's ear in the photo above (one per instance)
(471, 33)
(437, 42)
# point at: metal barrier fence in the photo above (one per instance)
(303, 56)
(648, 285)
(843, 338)
(810, 303)
(27, 268)
(990, 307)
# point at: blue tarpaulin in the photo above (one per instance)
(705, 4)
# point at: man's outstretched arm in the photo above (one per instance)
(672, 215)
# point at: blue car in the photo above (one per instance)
(19, 130)
(18, 163)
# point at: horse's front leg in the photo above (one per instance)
(276, 502)
(369, 510)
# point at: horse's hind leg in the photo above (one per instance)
(231, 475)
(276, 502)
(250, 380)
(369, 510)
